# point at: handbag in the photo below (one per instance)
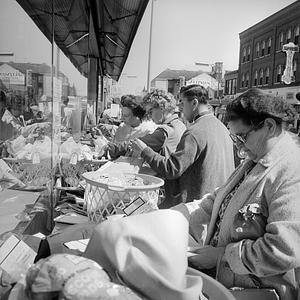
(254, 294)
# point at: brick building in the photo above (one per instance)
(262, 61)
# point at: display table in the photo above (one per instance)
(15, 209)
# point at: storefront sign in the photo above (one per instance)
(288, 74)
(11, 75)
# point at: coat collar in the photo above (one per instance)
(272, 156)
(170, 119)
(262, 168)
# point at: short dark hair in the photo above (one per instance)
(160, 99)
(131, 102)
(255, 105)
(193, 91)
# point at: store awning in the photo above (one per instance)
(104, 29)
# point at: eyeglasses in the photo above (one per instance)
(242, 137)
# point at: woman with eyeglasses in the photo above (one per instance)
(253, 220)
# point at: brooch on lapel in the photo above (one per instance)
(250, 210)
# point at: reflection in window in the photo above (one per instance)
(267, 76)
(296, 35)
(269, 46)
(255, 78)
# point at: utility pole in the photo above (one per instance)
(150, 47)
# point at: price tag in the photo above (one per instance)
(138, 206)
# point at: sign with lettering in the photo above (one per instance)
(10, 75)
(288, 74)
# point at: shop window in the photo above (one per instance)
(261, 77)
(296, 35)
(257, 50)
(279, 72)
(267, 76)
(243, 80)
(280, 41)
(244, 55)
(255, 78)
(269, 46)
(289, 36)
(247, 80)
(248, 53)
(263, 46)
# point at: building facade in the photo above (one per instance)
(230, 86)
(262, 61)
(172, 80)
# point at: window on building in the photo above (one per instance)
(263, 46)
(257, 50)
(280, 41)
(248, 53)
(255, 78)
(243, 80)
(267, 76)
(295, 68)
(289, 36)
(269, 46)
(296, 35)
(279, 73)
(247, 80)
(234, 86)
(261, 77)
(244, 55)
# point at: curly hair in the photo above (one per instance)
(160, 99)
(254, 106)
(193, 91)
(133, 103)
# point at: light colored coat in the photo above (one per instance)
(263, 250)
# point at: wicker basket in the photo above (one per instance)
(71, 173)
(35, 175)
(103, 200)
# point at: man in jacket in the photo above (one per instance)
(203, 159)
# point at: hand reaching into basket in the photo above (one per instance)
(136, 147)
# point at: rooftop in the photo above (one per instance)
(176, 74)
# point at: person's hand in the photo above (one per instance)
(136, 147)
(206, 258)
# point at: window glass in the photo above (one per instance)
(269, 46)
(267, 76)
(289, 36)
(255, 78)
(263, 46)
(296, 35)
(257, 50)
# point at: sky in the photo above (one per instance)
(183, 32)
